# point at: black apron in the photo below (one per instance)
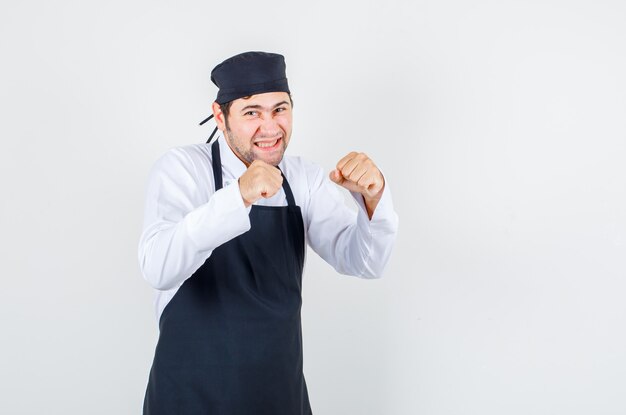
(230, 340)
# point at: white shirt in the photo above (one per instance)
(185, 219)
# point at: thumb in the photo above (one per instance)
(336, 176)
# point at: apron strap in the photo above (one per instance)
(290, 199)
(217, 165)
(217, 174)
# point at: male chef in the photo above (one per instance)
(224, 241)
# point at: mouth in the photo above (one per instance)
(269, 145)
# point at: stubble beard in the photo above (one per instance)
(248, 154)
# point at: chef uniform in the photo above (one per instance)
(229, 289)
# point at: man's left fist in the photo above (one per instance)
(358, 173)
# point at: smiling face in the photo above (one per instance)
(257, 127)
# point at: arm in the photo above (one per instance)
(349, 241)
(185, 220)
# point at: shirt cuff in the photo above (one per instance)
(384, 208)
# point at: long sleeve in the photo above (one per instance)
(349, 241)
(185, 220)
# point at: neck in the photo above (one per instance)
(244, 161)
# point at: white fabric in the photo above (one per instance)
(185, 219)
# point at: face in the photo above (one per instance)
(258, 127)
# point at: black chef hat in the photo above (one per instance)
(246, 74)
(249, 73)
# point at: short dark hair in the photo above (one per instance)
(225, 107)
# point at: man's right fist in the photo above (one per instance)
(260, 180)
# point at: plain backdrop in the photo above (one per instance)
(500, 126)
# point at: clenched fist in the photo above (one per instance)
(358, 173)
(260, 180)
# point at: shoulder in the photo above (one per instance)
(183, 171)
(186, 158)
(182, 167)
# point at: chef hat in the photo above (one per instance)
(246, 74)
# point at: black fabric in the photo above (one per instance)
(211, 136)
(230, 340)
(214, 130)
(249, 73)
(216, 159)
(206, 119)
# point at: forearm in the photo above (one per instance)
(353, 243)
(375, 230)
(170, 252)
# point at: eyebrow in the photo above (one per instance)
(257, 107)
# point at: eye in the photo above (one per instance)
(280, 109)
(250, 113)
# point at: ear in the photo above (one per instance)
(218, 116)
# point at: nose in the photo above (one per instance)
(269, 127)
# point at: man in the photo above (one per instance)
(224, 246)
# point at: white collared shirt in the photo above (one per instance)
(185, 219)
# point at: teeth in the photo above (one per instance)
(268, 144)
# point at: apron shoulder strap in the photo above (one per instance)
(217, 165)
(290, 199)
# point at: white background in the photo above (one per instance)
(501, 129)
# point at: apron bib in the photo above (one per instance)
(230, 340)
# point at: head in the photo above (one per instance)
(253, 105)
(257, 127)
